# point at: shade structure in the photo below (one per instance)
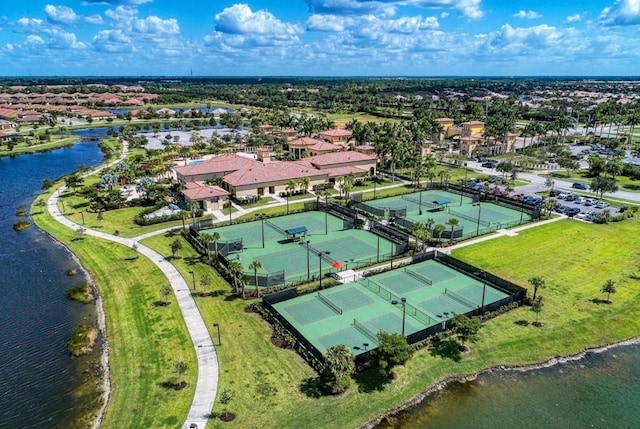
(337, 265)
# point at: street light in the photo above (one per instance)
(261, 217)
(308, 269)
(483, 276)
(479, 211)
(465, 182)
(324, 252)
(217, 326)
(420, 202)
(193, 279)
(403, 301)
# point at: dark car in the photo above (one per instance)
(572, 211)
(554, 193)
(489, 164)
(580, 186)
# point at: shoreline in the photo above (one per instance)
(444, 383)
(104, 344)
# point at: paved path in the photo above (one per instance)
(208, 372)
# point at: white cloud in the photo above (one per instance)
(467, 8)
(155, 25)
(28, 25)
(622, 12)
(527, 14)
(94, 19)
(330, 23)
(59, 39)
(60, 14)
(369, 24)
(117, 2)
(113, 41)
(240, 19)
(573, 18)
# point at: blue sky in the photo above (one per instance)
(320, 37)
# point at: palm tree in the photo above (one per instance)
(608, 287)
(452, 222)
(255, 266)
(439, 229)
(538, 283)
(290, 187)
(304, 183)
(236, 270)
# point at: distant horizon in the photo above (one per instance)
(331, 38)
(399, 77)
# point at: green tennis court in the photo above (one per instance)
(353, 313)
(474, 218)
(339, 245)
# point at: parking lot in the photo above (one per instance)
(580, 206)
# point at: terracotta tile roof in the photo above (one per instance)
(365, 147)
(204, 192)
(336, 132)
(473, 123)
(445, 120)
(272, 172)
(217, 165)
(339, 157)
(345, 171)
(305, 141)
(324, 146)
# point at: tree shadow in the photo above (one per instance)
(311, 387)
(446, 349)
(192, 260)
(231, 297)
(171, 233)
(371, 380)
(521, 322)
(600, 301)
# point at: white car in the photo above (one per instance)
(580, 200)
(602, 205)
(582, 216)
(562, 196)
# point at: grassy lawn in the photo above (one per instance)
(22, 148)
(144, 340)
(273, 387)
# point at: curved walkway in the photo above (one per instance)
(207, 381)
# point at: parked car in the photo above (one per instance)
(489, 164)
(579, 186)
(571, 197)
(560, 208)
(554, 193)
(579, 200)
(572, 211)
(582, 216)
(602, 205)
(590, 202)
(562, 196)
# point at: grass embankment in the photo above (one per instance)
(144, 340)
(273, 387)
(24, 148)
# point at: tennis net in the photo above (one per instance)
(277, 228)
(417, 276)
(367, 333)
(329, 304)
(460, 299)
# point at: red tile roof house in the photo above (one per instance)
(338, 136)
(208, 197)
(307, 146)
(244, 176)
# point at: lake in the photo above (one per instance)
(37, 375)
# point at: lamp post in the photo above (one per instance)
(308, 268)
(391, 255)
(324, 252)
(82, 214)
(479, 211)
(217, 326)
(403, 301)
(261, 217)
(193, 279)
(465, 182)
(374, 187)
(326, 209)
(483, 276)
(420, 202)
(378, 248)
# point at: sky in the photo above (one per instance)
(320, 38)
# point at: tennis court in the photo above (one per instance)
(353, 313)
(327, 247)
(474, 218)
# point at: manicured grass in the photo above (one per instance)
(22, 148)
(144, 340)
(269, 384)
